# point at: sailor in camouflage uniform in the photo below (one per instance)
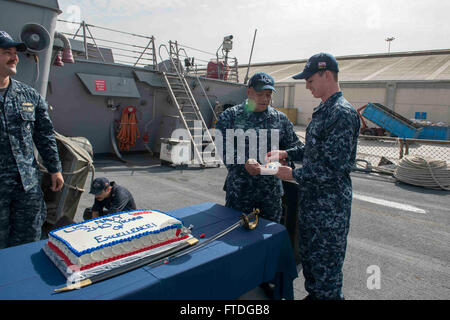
(23, 120)
(325, 187)
(245, 187)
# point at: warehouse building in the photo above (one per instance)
(413, 84)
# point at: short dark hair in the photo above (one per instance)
(335, 74)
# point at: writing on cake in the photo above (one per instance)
(116, 237)
(114, 222)
(103, 238)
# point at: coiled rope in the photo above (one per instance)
(428, 173)
(128, 131)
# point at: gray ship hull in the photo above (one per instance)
(79, 108)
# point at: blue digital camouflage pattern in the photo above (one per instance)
(21, 213)
(325, 194)
(243, 191)
(24, 119)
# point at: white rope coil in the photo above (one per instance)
(428, 173)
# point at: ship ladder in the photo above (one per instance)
(204, 148)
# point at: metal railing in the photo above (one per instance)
(137, 50)
(380, 152)
(175, 65)
(190, 65)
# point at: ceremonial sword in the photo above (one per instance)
(243, 221)
(249, 222)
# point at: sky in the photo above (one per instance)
(286, 29)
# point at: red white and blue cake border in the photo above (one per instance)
(90, 250)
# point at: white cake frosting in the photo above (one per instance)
(114, 236)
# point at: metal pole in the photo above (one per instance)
(389, 40)
(95, 43)
(155, 62)
(217, 62)
(85, 42)
(76, 33)
(250, 59)
(139, 58)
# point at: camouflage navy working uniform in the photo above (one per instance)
(23, 120)
(325, 194)
(243, 191)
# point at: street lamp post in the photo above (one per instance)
(389, 40)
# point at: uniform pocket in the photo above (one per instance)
(27, 115)
(28, 118)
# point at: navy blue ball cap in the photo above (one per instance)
(261, 81)
(98, 185)
(318, 62)
(7, 42)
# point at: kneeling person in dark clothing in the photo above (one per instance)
(109, 198)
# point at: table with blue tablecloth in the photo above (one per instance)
(223, 269)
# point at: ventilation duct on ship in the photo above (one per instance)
(58, 60)
(67, 51)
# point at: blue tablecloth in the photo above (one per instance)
(224, 269)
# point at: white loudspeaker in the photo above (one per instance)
(35, 37)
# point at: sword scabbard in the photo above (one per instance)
(74, 286)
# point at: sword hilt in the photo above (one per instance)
(250, 225)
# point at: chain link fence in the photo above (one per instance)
(381, 151)
(377, 150)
